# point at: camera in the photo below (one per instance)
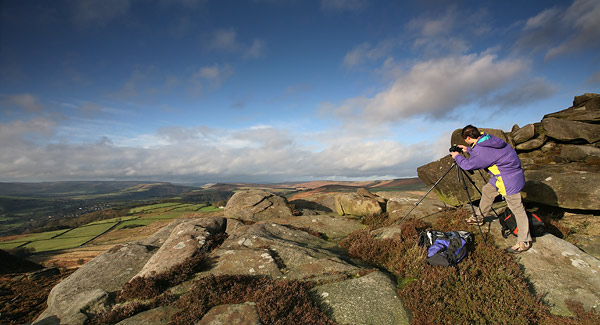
(455, 148)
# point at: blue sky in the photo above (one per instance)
(275, 90)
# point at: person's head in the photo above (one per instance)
(470, 134)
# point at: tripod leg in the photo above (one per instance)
(422, 198)
(461, 177)
(473, 183)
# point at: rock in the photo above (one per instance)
(515, 128)
(356, 205)
(456, 137)
(277, 251)
(523, 134)
(245, 261)
(449, 189)
(565, 130)
(532, 144)
(185, 240)
(563, 185)
(240, 314)
(88, 287)
(390, 232)
(333, 228)
(156, 316)
(582, 99)
(371, 299)
(558, 270)
(578, 153)
(586, 108)
(399, 206)
(256, 205)
(364, 192)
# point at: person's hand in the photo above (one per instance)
(463, 147)
(454, 154)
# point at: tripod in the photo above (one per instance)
(460, 174)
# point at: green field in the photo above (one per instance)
(71, 239)
(32, 237)
(152, 207)
(210, 208)
(112, 220)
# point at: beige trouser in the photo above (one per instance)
(489, 193)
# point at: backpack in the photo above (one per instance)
(509, 224)
(445, 248)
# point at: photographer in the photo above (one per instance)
(501, 161)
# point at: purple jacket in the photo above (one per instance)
(499, 159)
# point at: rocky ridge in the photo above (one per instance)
(560, 156)
(280, 247)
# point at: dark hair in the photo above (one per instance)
(470, 131)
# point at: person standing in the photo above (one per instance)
(507, 179)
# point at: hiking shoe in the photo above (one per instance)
(519, 247)
(474, 221)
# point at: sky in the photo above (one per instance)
(194, 91)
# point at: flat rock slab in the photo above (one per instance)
(244, 261)
(567, 186)
(240, 314)
(156, 316)
(334, 227)
(280, 252)
(371, 299)
(558, 270)
(185, 240)
(89, 285)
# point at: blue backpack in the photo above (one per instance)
(445, 248)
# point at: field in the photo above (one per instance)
(75, 237)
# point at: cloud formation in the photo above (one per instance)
(558, 32)
(226, 40)
(434, 88)
(343, 5)
(28, 102)
(201, 153)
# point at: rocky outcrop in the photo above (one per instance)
(560, 156)
(239, 314)
(361, 203)
(88, 287)
(557, 271)
(185, 240)
(370, 299)
(256, 205)
(274, 248)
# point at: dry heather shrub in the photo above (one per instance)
(487, 287)
(150, 287)
(277, 302)
(127, 310)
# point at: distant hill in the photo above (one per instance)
(62, 189)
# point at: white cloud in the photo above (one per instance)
(262, 152)
(212, 75)
(523, 93)
(434, 88)
(594, 78)
(343, 5)
(98, 12)
(226, 40)
(365, 52)
(28, 102)
(557, 31)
